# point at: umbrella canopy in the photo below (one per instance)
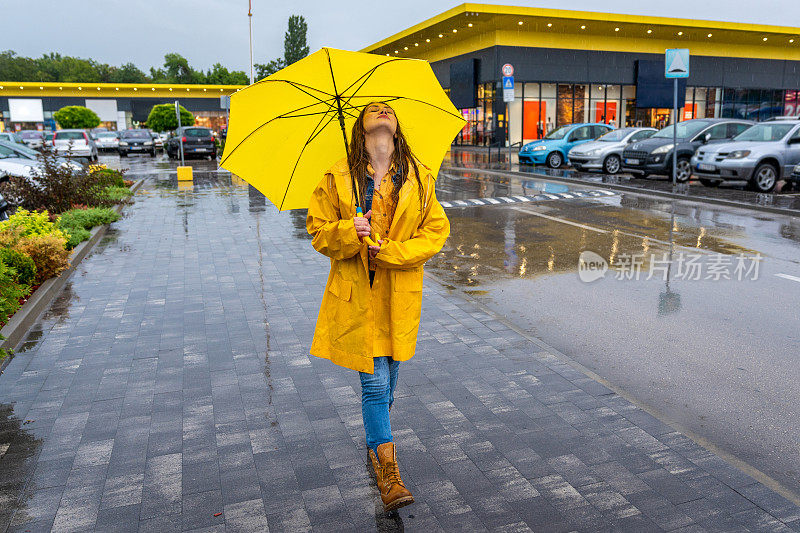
(289, 128)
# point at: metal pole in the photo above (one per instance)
(250, 28)
(180, 139)
(675, 133)
(508, 134)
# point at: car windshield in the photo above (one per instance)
(197, 132)
(136, 134)
(69, 135)
(20, 150)
(767, 132)
(106, 135)
(5, 152)
(615, 135)
(685, 130)
(560, 133)
(30, 134)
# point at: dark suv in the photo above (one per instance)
(136, 142)
(196, 141)
(654, 155)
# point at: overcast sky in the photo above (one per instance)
(210, 31)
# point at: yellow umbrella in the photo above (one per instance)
(289, 128)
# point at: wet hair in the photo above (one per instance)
(402, 157)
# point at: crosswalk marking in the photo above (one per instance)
(533, 198)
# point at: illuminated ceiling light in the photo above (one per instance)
(203, 90)
(1, 87)
(170, 89)
(520, 23)
(765, 39)
(187, 90)
(60, 88)
(405, 48)
(583, 27)
(455, 30)
(40, 87)
(397, 51)
(116, 88)
(135, 88)
(649, 31)
(616, 29)
(416, 44)
(469, 25)
(387, 54)
(221, 89)
(709, 35)
(79, 88)
(680, 33)
(427, 40)
(549, 24)
(790, 40)
(440, 36)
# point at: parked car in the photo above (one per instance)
(75, 143)
(32, 138)
(554, 147)
(196, 141)
(605, 153)
(762, 155)
(107, 140)
(4, 207)
(11, 136)
(654, 155)
(136, 142)
(19, 160)
(795, 177)
(157, 141)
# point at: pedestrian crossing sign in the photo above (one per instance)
(508, 82)
(676, 63)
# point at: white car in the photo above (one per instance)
(11, 137)
(23, 162)
(75, 143)
(106, 140)
(32, 138)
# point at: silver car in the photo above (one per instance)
(32, 138)
(762, 155)
(75, 143)
(106, 140)
(605, 152)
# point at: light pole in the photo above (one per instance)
(250, 27)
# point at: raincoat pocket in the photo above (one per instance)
(341, 288)
(408, 280)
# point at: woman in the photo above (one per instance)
(370, 310)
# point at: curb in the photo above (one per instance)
(17, 327)
(634, 190)
(753, 472)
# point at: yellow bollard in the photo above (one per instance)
(184, 173)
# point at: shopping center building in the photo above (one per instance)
(30, 105)
(574, 66)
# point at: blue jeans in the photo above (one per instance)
(377, 395)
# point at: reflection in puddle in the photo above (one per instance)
(18, 448)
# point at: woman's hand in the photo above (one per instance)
(363, 229)
(373, 250)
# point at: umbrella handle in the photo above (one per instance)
(368, 239)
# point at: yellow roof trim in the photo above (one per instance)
(520, 11)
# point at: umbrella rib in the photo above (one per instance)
(370, 72)
(284, 115)
(294, 84)
(313, 135)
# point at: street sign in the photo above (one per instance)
(508, 70)
(508, 88)
(676, 63)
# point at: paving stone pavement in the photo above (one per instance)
(170, 388)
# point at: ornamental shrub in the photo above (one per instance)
(76, 116)
(87, 218)
(111, 177)
(30, 223)
(48, 252)
(75, 236)
(10, 292)
(116, 195)
(22, 264)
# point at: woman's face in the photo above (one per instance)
(379, 116)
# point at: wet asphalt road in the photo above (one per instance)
(720, 358)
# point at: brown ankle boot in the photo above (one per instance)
(393, 492)
(376, 466)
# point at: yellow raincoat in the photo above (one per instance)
(357, 322)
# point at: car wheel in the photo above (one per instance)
(764, 178)
(612, 164)
(555, 160)
(684, 168)
(153, 153)
(710, 183)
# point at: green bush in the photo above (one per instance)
(111, 177)
(75, 236)
(23, 265)
(162, 117)
(76, 116)
(76, 223)
(49, 252)
(117, 194)
(24, 223)
(10, 292)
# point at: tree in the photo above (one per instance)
(294, 42)
(128, 73)
(76, 116)
(262, 71)
(177, 70)
(219, 75)
(162, 117)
